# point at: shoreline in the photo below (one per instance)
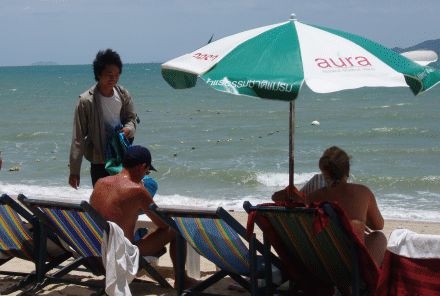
(391, 220)
(65, 192)
(424, 227)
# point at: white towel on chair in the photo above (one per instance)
(414, 245)
(121, 261)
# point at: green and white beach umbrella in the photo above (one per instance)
(274, 61)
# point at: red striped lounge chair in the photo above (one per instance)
(411, 264)
(82, 229)
(20, 238)
(218, 237)
(318, 247)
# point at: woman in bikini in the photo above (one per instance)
(357, 201)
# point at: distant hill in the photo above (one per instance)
(44, 63)
(429, 45)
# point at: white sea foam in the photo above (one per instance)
(66, 193)
(431, 178)
(40, 133)
(401, 213)
(383, 129)
(47, 192)
(428, 194)
(273, 179)
(393, 206)
(282, 179)
(398, 196)
(227, 203)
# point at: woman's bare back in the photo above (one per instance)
(354, 199)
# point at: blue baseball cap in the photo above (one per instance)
(137, 154)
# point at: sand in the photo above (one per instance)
(165, 267)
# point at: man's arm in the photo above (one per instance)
(79, 131)
(287, 194)
(375, 220)
(147, 200)
(128, 115)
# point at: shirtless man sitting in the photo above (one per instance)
(357, 201)
(120, 199)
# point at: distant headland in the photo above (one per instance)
(45, 63)
(427, 45)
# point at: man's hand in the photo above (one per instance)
(126, 131)
(74, 181)
(288, 194)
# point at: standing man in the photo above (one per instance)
(99, 111)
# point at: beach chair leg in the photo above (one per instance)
(267, 267)
(36, 287)
(156, 275)
(208, 282)
(68, 268)
(244, 283)
(180, 255)
(40, 237)
(253, 265)
(355, 285)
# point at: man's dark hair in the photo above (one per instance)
(104, 58)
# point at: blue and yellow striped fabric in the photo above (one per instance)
(77, 229)
(15, 237)
(217, 241)
(326, 254)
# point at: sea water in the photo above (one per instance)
(215, 149)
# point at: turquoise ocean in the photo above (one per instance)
(214, 149)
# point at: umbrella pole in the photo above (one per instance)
(291, 146)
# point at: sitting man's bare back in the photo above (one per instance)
(122, 197)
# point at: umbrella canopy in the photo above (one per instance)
(274, 61)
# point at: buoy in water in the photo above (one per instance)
(315, 122)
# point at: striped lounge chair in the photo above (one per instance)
(411, 265)
(82, 229)
(319, 248)
(19, 238)
(218, 237)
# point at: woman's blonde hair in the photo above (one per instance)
(335, 163)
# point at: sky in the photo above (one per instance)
(72, 31)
